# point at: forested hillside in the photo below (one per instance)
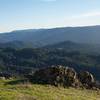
(23, 61)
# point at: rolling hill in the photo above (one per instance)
(73, 46)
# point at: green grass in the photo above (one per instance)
(29, 91)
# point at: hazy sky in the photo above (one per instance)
(27, 14)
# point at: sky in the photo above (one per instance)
(33, 14)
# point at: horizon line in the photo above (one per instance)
(47, 28)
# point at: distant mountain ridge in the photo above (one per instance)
(43, 37)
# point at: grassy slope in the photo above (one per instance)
(44, 92)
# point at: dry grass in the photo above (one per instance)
(28, 91)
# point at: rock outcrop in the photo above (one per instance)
(5, 75)
(64, 76)
(87, 79)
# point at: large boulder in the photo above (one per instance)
(57, 75)
(87, 79)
